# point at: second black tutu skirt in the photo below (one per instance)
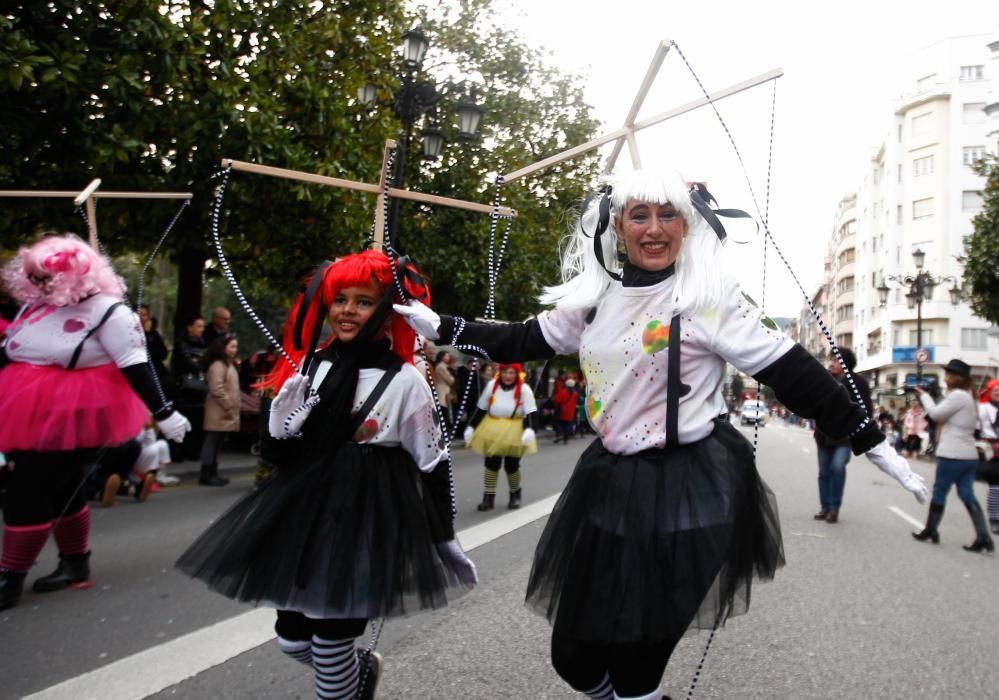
(346, 537)
(645, 547)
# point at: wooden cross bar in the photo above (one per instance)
(378, 189)
(86, 198)
(626, 134)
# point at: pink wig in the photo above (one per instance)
(76, 270)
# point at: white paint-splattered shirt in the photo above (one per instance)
(403, 416)
(48, 335)
(624, 355)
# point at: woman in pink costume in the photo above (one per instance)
(75, 379)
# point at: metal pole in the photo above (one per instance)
(400, 173)
(919, 331)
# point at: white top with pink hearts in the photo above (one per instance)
(48, 335)
(403, 416)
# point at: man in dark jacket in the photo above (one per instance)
(834, 454)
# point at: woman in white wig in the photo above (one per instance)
(665, 521)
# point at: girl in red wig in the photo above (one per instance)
(988, 416)
(502, 430)
(344, 531)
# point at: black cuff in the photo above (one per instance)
(140, 378)
(866, 438)
(801, 383)
(502, 342)
(531, 421)
(476, 418)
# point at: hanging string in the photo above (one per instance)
(227, 271)
(766, 228)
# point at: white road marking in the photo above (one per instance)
(906, 517)
(185, 657)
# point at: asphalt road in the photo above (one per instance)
(861, 610)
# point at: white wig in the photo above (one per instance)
(584, 281)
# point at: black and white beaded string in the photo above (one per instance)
(227, 271)
(825, 331)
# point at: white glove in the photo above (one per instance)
(528, 437)
(290, 408)
(456, 561)
(469, 432)
(894, 465)
(421, 318)
(175, 426)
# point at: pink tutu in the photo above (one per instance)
(50, 408)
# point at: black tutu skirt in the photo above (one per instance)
(645, 547)
(341, 538)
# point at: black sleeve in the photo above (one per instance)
(803, 385)
(4, 360)
(503, 342)
(140, 378)
(437, 502)
(531, 421)
(476, 418)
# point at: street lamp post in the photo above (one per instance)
(415, 99)
(920, 286)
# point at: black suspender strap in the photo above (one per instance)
(376, 393)
(673, 384)
(79, 348)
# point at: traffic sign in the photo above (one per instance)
(922, 355)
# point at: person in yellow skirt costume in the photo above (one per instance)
(502, 430)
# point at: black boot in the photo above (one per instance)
(210, 476)
(370, 669)
(514, 500)
(73, 571)
(933, 519)
(983, 540)
(11, 585)
(488, 501)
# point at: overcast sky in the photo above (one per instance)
(834, 103)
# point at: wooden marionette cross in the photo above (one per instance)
(626, 134)
(86, 199)
(380, 190)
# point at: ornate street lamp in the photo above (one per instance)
(415, 99)
(920, 286)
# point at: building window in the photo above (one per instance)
(927, 337)
(972, 73)
(900, 171)
(845, 313)
(898, 212)
(923, 125)
(847, 256)
(926, 82)
(922, 166)
(974, 338)
(974, 112)
(971, 201)
(845, 285)
(900, 133)
(923, 208)
(896, 336)
(972, 153)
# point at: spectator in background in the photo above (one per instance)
(913, 425)
(219, 325)
(221, 405)
(444, 379)
(191, 387)
(988, 419)
(834, 454)
(466, 393)
(565, 399)
(157, 348)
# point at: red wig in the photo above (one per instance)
(517, 385)
(357, 270)
(984, 395)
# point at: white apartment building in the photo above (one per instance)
(918, 193)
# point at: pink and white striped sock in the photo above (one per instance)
(22, 544)
(72, 534)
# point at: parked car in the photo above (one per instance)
(754, 412)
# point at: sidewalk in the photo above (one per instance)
(228, 461)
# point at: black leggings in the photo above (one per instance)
(296, 627)
(635, 669)
(43, 486)
(510, 464)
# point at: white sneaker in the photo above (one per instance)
(167, 480)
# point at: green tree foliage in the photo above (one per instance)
(150, 96)
(981, 261)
